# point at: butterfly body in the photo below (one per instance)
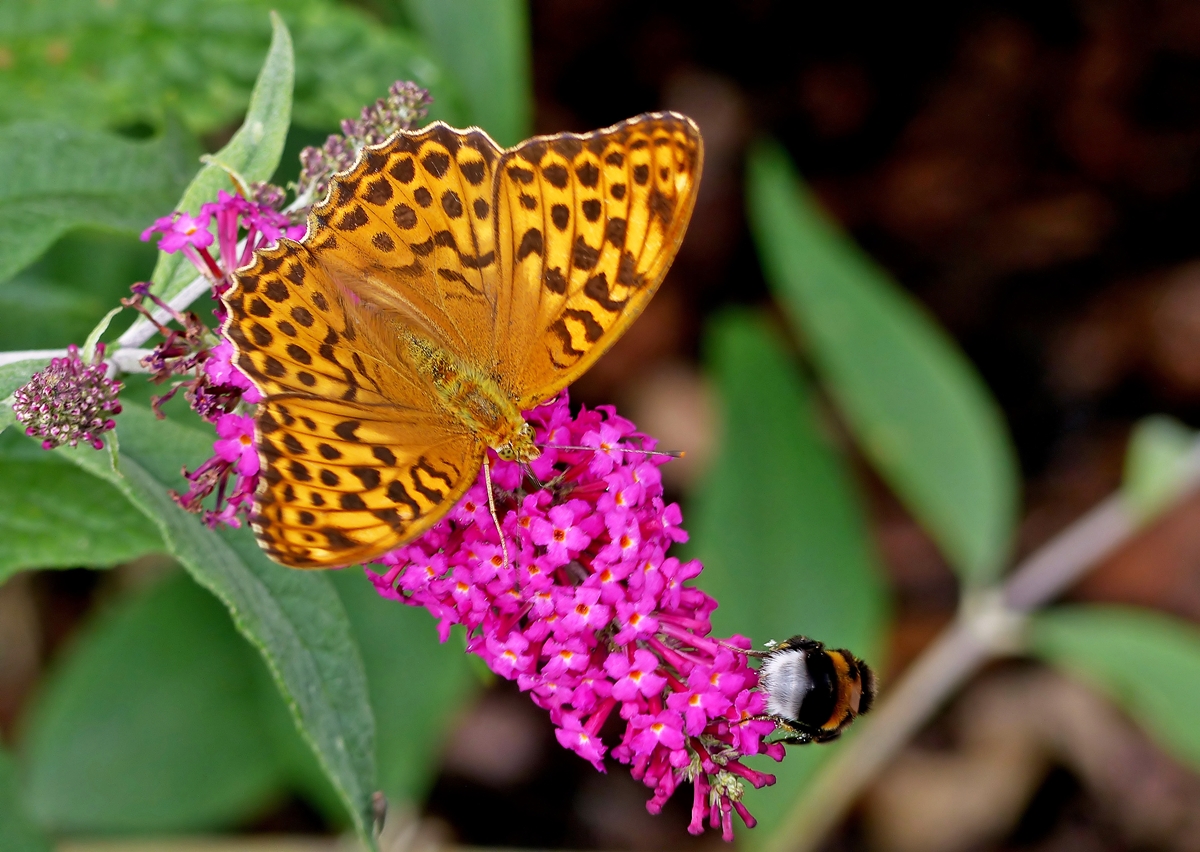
(443, 287)
(478, 400)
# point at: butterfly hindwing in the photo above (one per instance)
(356, 456)
(586, 228)
(343, 483)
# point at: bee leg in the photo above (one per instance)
(791, 735)
(828, 736)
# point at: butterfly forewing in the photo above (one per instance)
(409, 229)
(586, 228)
(521, 267)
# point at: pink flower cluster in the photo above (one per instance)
(70, 401)
(591, 616)
(216, 389)
(192, 235)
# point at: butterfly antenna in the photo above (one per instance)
(487, 478)
(675, 454)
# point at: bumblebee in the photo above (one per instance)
(813, 693)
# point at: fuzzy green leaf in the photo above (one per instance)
(294, 618)
(1145, 661)
(414, 681)
(58, 177)
(914, 402)
(253, 153)
(484, 45)
(17, 831)
(56, 301)
(777, 524)
(151, 722)
(137, 62)
(54, 515)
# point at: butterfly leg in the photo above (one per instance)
(487, 478)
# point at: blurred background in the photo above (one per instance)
(1025, 177)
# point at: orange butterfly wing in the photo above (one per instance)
(525, 264)
(587, 226)
(356, 455)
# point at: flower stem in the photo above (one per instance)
(126, 359)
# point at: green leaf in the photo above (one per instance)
(54, 515)
(151, 723)
(1145, 661)
(484, 45)
(17, 373)
(776, 521)
(253, 152)
(88, 349)
(1154, 463)
(12, 376)
(136, 62)
(416, 684)
(913, 400)
(348, 61)
(56, 178)
(17, 831)
(56, 301)
(294, 618)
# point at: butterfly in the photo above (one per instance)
(444, 286)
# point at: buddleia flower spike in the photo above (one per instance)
(69, 402)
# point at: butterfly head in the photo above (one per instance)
(519, 446)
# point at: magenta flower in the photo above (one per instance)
(591, 617)
(580, 740)
(179, 230)
(607, 441)
(634, 674)
(217, 390)
(665, 729)
(220, 371)
(236, 444)
(559, 533)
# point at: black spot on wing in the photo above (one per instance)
(436, 163)
(531, 243)
(556, 174)
(474, 171)
(404, 171)
(583, 256)
(596, 289)
(588, 174)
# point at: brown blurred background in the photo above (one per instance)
(1029, 170)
